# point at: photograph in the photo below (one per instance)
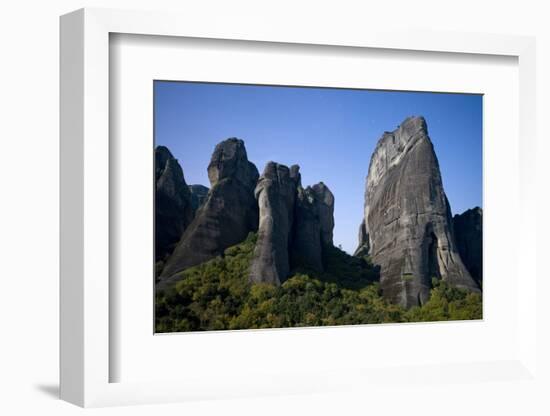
(245, 208)
(292, 206)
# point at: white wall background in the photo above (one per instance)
(29, 209)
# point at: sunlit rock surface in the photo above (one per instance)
(407, 218)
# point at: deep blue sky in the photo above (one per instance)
(330, 133)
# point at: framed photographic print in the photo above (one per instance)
(250, 250)
(272, 212)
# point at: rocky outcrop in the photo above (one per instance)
(306, 249)
(230, 162)
(313, 226)
(173, 210)
(198, 196)
(363, 248)
(324, 200)
(408, 218)
(276, 195)
(468, 229)
(229, 213)
(296, 224)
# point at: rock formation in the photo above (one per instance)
(364, 248)
(229, 213)
(313, 226)
(276, 195)
(325, 206)
(468, 229)
(408, 218)
(295, 224)
(198, 196)
(172, 203)
(306, 249)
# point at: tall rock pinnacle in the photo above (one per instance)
(407, 220)
(468, 229)
(276, 195)
(296, 224)
(172, 202)
(313, 226)
(227, 215)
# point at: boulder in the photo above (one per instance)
(173, 208)
(408, 218)
(228, 214)
(276, 194)
(468, 231)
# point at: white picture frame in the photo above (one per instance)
(85, 353)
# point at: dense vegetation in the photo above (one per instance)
(216, 295)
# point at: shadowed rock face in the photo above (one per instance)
(468, 229)
(229, 161)
(306, 250)
(364, 248)
(324, 199)
(295, 224)
(408, 218)
(173, 207)
(229, 213)
(276, 194)
(198, 196)
(313, 226)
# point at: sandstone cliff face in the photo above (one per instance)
(276, 195)
(173, 207)
(408, 219)
(468, 229)
(229, 213)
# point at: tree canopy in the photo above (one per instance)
(216, 295)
